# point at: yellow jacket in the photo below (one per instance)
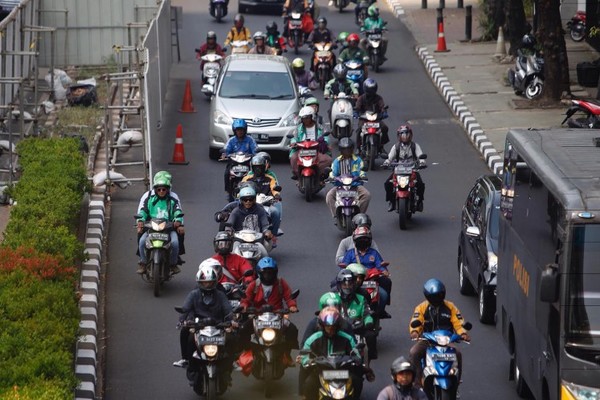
(234, 34)
(447, 316)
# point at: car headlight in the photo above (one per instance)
(221, 118)
(571, 391)
(268, 334)
(290, 120)
(492, 262)
(210, 350)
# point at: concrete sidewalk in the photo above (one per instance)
(474, 82)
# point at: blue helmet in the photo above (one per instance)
(266, 263)
(267, 270)
(434, 291)
(239, 123)
(247, 191)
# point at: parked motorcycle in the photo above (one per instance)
(527, 75)
(218, 9)
(356, 72)
(210, 72)
(440, 365)
(341, 116)
(576, 26)
(370, 137)
(295, 31)
(240, 46)
(589, 108)
(404, 180)
(310, 179)
(158, 247)
(374, 50)
(240, 166)
(323, 62)
(346, 201)
(334, 375)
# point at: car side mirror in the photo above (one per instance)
(179, 309)
(549, 284)
(473, 232)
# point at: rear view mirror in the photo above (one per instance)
(473, 232)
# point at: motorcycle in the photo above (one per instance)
(240, 47)
(363, 6)
(370, 137)
(346, 201)
(341, 4)
(251, 245)
(576, 26)
(374, 50)
(440, 365)
(276, 42)
(240, 166)
(295, 31)
(158, 247)
(323, 62)
(404, 180)
(356, 73)
(218, 9)
(527, 76)
(334, 374)
(310, 179)
(203, 370)
(591, 111)
(304, 93)
(210, 72)
(341, 116)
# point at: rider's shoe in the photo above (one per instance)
(175, 269)
(141, 269)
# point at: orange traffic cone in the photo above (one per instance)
(441, 44)
(178, 152)
(187, 106)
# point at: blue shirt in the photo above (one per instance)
(246, 145)
(371, 258)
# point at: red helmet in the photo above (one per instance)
(353, 37)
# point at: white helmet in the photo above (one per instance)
(307, 111)
(209, 270)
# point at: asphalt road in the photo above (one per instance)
(142, 341)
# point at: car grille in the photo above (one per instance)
(263, 123)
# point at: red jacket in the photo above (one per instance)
(205, 50)
(276, 298)
(236, 265)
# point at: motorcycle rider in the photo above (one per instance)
(353, 52)
(205, 302)
(290, 6)
(314, 103)
(348, 163)
(210, 47)
(327, 342)
(249, 215)
(403, 376)
(273, 38)
(233, 266)
(303, 77)
(371, 101)
(212, 7)
(238, 32)
(269, 171)
(266, 185)
(364, 254)
(339, 84)
(434, 313)
(240, 141)
(309, 130)
(328, 299)
(360, 273)
(341, 40)
(321, 34)
(260, 47)
(404, 149)
(374, 21)
(160, 205)
(347, 243)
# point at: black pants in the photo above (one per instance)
(310, 384)
(389, 188)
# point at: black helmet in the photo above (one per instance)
(434, 291)
(271, 27)
(401, 364)
(528, 41)
(322, 20)
(370, 86)
(223, 243)
(340, 71)
(362, 237)
(345, 143)
(360, 220)
(266, 156)
(346, 283)
(211, 35)
(259, 165)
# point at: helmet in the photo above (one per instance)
(329, 299)
(207, 276)
(271, 27)
(346, 283)
(223, 243)
(259, 165)
(362, 238)
(247, 191)
(405, 133)
(211, 35)
(342, 37)
(258, 35)
(267, 270)
(353, 37)
(346, 143)
(361, 219)
(357, 269)
(434, 291)
(162, 174)
(311, 101)
(528, 41)
(266, 156)
(161, 181)
(401, 364)
(322, 20)
(370, 86)
(239, 18)
(307, 111)
(239, 123)
(330, 316)
(340, 71)
(298, 63)
(373, 11)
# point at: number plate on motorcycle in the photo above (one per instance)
(443, 357)
(158, 236)
(307, 153)
(323, 54)
(248, 247)
(330, 375)
(234, 303)
(294, 23)
(369, 284)
(218, 340)
(375, 36)
(240, 168)
(268, 324)
(372, 124)
(354, 72)
(347, 193)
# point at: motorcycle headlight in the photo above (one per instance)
(158, 227)
(403, 181)
(492, 262)
(338, 393)
(442, 340)
(268, 334)
(210, 350)
(571, 391)
(221, 118)
(290, 120)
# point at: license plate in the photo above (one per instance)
(158, 236)
(307, 153)
(353, 72)
(369, 284)
(336, 374)
(443, 357)
(248, 247)
(323, 54)
(261, 137)
(218, 340)
(372, 124)
(268, 324)
(296, 24)
(240, 168)
(375, 37)
(234, 303)
(347, 193)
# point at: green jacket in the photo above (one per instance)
(350, 53)
(301, 136)
(321, 345)
(373, 23)
(333, 88)
(167, 208)
(356, 309)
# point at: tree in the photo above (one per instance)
(517, 25)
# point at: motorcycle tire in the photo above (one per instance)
(373, 149)
(576, 34)
(534, 88)
(218, 13)
(347, 224)
(322, 79)
(403, 212)
(211, 388)
(375, 62)
(268, 376)
(307, 184)
(444, 394)
(156, 275)
(341, 6)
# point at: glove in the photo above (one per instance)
(414, 335)
(465, 337)
(386, 163)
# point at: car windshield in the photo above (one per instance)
(257, 85)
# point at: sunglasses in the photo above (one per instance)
(247, 199)
(161, 189)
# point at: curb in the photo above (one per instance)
(454, 101)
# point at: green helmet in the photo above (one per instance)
(161, 181)
(342, 37)
(311, 101)
(373, 11)
(163, 174)
(329, 299)
(357, 269)
(298, 63)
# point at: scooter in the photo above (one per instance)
(374, 50)
(218, 9)
(341, 116)
(404, 180)
(370, 137)
(251, 245)
(323, 62)
(240, 46)
(341, 4)
(276, 42)
(310, 179)
(576, 26)
(240, 166)
(589, 108)
(440, 366)
(210, 72)
(346, 201)
(295, 31)
(356, 72)
(527, 76)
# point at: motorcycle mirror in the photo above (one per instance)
(137, 216)
(277, 188)
(326, 133)
(197, 50)
(248, 273)
(468, 326)
(179, 309)
(295, 294)
(416, 323)
(385, 263)
(423, 157)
